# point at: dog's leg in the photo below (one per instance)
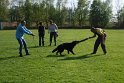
(72, 52)
(57, 53)
(61, 53)
(68, 51)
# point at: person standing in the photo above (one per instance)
(53, 30)
(21, 29)
(41, 32)
(100, 40)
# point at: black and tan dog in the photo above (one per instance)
(67, 46)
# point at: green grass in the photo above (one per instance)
(42, 66)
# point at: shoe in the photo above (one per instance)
(93, 53)
(20, 55)
(105, 53)
(27, 54)
(55, 44)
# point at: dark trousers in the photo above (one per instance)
(100, 40)
(52, 34)
(21, 43)
(41, 37)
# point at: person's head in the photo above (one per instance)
(93, 29)
(40, 23)
(51, 21)
(23, 22)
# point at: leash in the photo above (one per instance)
(35, 45)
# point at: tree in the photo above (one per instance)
(121, 18)
(4, 10)
(27, 9)
(100, 13)
(82, 11)
(16, 10)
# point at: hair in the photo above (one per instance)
(51, 21)
(23, 21)
(92, 29)
(40, 22)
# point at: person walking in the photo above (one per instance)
(53, 30)
(100, 40)
(21, 29)
(41, 32)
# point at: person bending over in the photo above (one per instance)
(100, 40)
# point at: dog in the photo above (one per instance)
(67, 46)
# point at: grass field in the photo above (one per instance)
(42, 66)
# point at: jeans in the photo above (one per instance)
(21, 43)
(53, 34)
(41, 37)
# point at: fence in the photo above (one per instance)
(8, 25)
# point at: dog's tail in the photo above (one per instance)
(54, 50)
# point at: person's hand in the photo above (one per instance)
(32, 34)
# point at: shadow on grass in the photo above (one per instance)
(7, 58)
(56, 55)
(38, 46)
(80, 57)
(34, 47)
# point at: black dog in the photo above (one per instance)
(67, 46)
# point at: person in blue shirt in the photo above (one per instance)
(21, 29)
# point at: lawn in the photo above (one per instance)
(43, 66)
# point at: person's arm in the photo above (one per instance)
(38, 29)
(56, 27)
(48, 29)
(104, 33)
(27, 31)
(44, 28)
(93, 36)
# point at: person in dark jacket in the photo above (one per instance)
(41, 32)
(100, 40)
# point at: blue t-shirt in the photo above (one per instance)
(21, 30)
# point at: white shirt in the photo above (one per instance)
(53, 28)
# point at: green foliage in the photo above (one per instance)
(43, 66)
(3, 10)
(42, 10)
(100, 13)
(28, 11)
(82, 11)
(121, 18)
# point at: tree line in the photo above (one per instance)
(97, 14)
